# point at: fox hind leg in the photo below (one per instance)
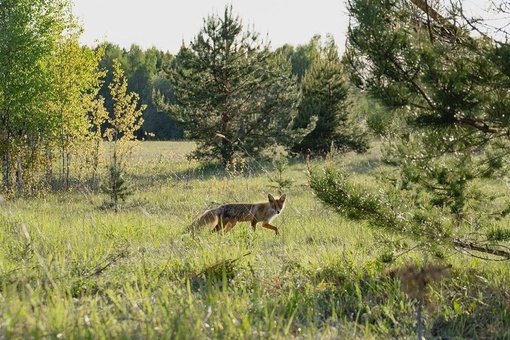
(219, 225)
(224, 225)
(229, 225)
(207, 218)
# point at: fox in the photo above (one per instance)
(226, 216)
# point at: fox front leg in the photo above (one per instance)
(270, 226)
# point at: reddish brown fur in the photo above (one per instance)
(225, 217)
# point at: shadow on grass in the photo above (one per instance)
(215, 275)
(206, 171)
(374, 299)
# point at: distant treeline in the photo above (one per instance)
(145, 71)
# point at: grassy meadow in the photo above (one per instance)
(69, 269)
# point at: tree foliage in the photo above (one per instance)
(75, 81)
(325, 96)
(145, 76)
(45, 74)
(302, 56)
(125, 120)
(24, 80)
(232, 94)
(448, 90)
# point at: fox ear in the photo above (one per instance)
(283, 197)
(270, 197)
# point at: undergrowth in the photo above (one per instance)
(69, 269)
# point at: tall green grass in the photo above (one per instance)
(69, 269)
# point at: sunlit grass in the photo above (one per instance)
(71, 269)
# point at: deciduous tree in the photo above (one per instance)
(75, 82)
(27, 33)
(123, 123)
(48, 82)
(302, 56)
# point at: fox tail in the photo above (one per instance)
(209, 217)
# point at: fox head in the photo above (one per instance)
(277, 204)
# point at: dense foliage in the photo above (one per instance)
(48, 86)
(302, 56)
(448, 92)
(52, 114)
(144, 71)
(233, 95)
(325, 96)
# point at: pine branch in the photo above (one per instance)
(481, 248)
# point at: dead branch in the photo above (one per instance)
(481, 248)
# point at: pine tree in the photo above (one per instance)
(116, 185)
(325, 96)
(448, 94)
(233, 95)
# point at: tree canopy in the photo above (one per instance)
(448, 89)
(325, 96)
(45, 77)
(145, 76)
(232, 93)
